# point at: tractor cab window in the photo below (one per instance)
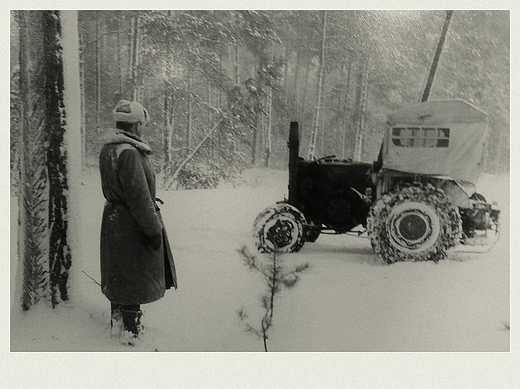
(421, 136)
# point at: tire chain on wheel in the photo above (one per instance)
(451, 224)
(268, 214)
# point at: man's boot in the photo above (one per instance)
(132, 327)
(116, 321)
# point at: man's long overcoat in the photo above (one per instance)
(132, 272)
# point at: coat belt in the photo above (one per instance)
(121, 202)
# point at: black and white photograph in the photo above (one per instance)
(250, 182)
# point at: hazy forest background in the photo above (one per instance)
(222, 86)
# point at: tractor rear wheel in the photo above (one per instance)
(279, 228)
(413, 223)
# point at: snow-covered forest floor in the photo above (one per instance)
(346, 301)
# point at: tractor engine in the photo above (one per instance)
(335, 193)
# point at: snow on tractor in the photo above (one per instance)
(414, 203)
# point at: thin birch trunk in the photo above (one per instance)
(71, 242)
(268, 147)
(210, 118)
(304, 103)
(296, 102)
(254, 129)
(236, 64)
(98, 75)
(134, 58)
(322, 123)
(361, 118)
(345, 111)
(169, 120)
(190, 115)
(499, 151)
(314, 132)
(172, 179)
(119, 62)
(83, 103)
(286, 75)
(219, 131)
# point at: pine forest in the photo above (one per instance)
(282, 148)
(223, 86)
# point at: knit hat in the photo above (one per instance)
(130, 112)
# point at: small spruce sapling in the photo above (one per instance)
(276, 278)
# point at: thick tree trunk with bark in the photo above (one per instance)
(44, 213)
(33, 244)
(59, 255)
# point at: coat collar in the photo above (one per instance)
(114, 136)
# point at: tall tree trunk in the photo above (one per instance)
(286, 75)
(219, 130)
(322, 123)
(119, 62)
(256, 125)
(83, 101)
(498, 154)
(436, 58)
(236, 64)
(268, 148)
(304, 103)
(344, 124)
(210, 117)
(254, 131)
(269, 106)
(190, 115)
(361, 110)
(98, 74)
(134, 56)
(314, 132)
(33, 243)
(50, 125)
(69, 249)
(296, 101)
(169, 119)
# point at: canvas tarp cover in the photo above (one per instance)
(461, 160)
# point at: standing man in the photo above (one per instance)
(134, 270)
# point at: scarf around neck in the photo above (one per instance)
(115, 136)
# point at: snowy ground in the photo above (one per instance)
(346, 301)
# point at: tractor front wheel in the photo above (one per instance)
(413, 223)
(279, 228)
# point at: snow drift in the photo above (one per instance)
(346, 301)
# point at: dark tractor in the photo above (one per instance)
(415, 202)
